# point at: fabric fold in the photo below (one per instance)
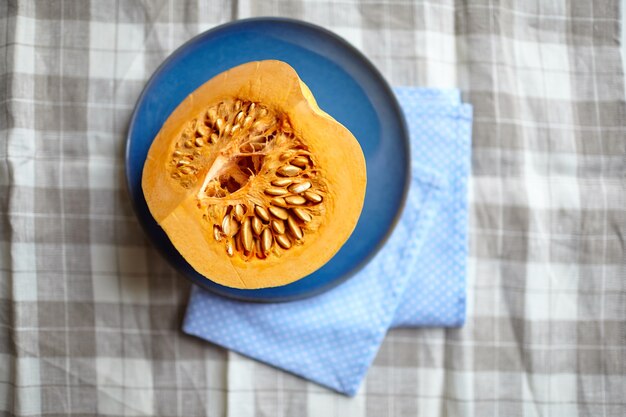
(437, 294)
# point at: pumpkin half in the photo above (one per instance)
(252, 182)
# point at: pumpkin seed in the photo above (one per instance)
(259, 126)
(295, 200)
(230, 226)
(282, 182)
(313, 197)
(239, 212)
(246, 235)
(302, 214)
(262, 213)
(286, 155)
(300, 187)
(279, 201)
(229, 248)
(300, 161)
(288, 170)
(202, 129)
(275, 191)
(283, 241)
(258, 249)
(257, 226)
(294, 228)
(278, 226)
(281, 213)
(267, 240)
(226, 225)
(216, 233)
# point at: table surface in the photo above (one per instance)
(90, 314)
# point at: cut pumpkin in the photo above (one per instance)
(252, 182)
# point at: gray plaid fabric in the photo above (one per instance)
(90, 314)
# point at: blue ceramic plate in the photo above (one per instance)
(344, 83)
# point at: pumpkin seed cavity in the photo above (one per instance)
(260, 185)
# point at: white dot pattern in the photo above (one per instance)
(332, 338)
(436, 296)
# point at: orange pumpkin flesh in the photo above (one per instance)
(253, 183)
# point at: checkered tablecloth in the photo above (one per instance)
(90, 314)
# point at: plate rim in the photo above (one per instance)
(357, 266)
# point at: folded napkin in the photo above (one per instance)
(332, 338)
(436, 296)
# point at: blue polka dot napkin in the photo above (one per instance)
(436, 296)
(332, 338)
